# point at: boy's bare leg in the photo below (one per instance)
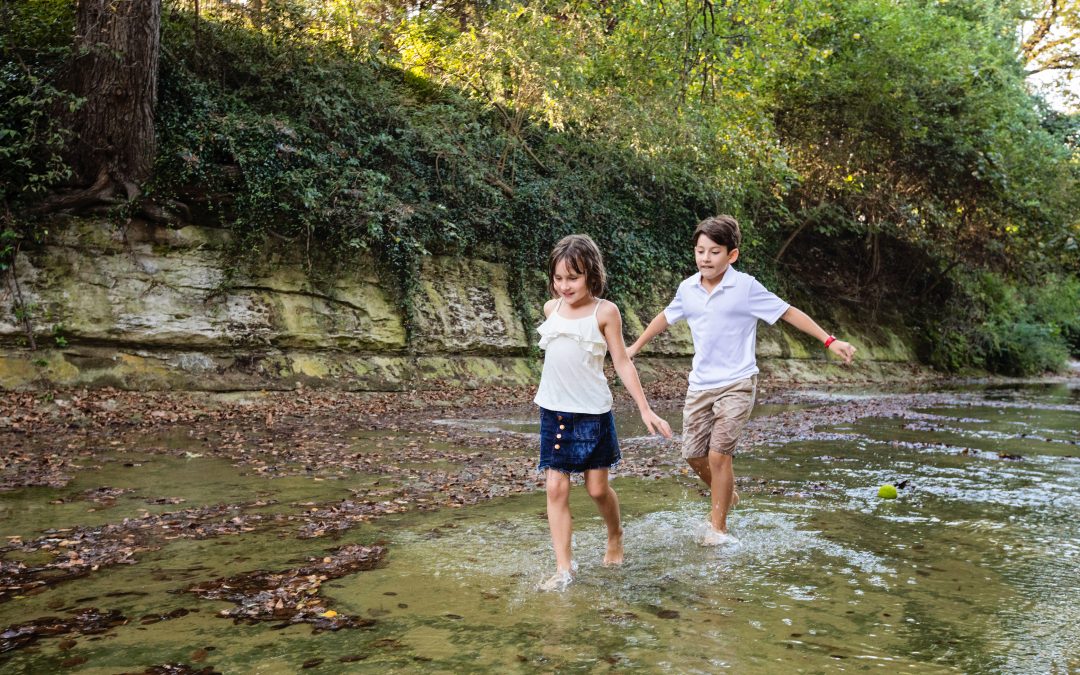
(700, 465)
(607, 502)
(723, 489)
(558, 513)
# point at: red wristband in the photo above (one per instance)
(829, 340)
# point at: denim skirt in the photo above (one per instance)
(577, 442)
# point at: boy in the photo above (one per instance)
(722, 306)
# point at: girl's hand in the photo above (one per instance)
(843, 349)
(655, 423)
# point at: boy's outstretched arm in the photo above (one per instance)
(655, 327)
(800, 320)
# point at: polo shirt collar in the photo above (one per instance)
(727, 282)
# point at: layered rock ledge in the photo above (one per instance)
(150, 307)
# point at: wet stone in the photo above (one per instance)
(122, 594)
(104, 495)
(89, 621)
(390, 644)
(292, 596)
(353, 658)
(176, 669)
(166, 500)
(157, 618)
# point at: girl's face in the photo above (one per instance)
(570, 285)
(713, 259)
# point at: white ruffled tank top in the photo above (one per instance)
(573, 377)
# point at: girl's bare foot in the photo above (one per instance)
(558, 581)
(734, 499)
(614, 554)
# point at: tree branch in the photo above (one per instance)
(1043, 25)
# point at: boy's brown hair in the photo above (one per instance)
(724, 230)
(581, 255)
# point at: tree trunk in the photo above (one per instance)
(117, 45)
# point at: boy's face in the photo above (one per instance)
(569, 284)
(713, 259)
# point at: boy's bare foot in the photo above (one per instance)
(713, 537)
(614, 554)
(734, 499)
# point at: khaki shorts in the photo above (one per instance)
(713, 419)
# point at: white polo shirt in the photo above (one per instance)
(724, 325)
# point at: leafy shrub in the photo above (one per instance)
(34, 41)
(1007, 327)
(833, 130)
(302, 142)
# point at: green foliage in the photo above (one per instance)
(840, 132)
(34, 40)
(8, 245)
(339, 157)
(919, 123)
(1056, 303)
(59, 339)
(1008, 327)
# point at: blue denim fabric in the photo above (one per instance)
(584, 441)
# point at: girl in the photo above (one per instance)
(577, 429)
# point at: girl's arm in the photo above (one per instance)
(656, 326)
(800, 320)
(611, 326)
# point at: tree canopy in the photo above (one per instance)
(875, 152)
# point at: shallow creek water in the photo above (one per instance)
(974, 568)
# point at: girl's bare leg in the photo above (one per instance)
(558, 513)
(607, 502)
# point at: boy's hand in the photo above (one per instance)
(632, 351)
(843, 349)
(656, 424)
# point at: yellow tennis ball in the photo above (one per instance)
(887, 492)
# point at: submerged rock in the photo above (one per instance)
(292, 596)
(87, 621)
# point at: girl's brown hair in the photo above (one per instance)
(581, 255)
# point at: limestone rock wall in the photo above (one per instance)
(153, 307)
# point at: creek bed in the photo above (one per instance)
(974, 568)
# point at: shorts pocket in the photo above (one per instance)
(585, 430)
(580, 439)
